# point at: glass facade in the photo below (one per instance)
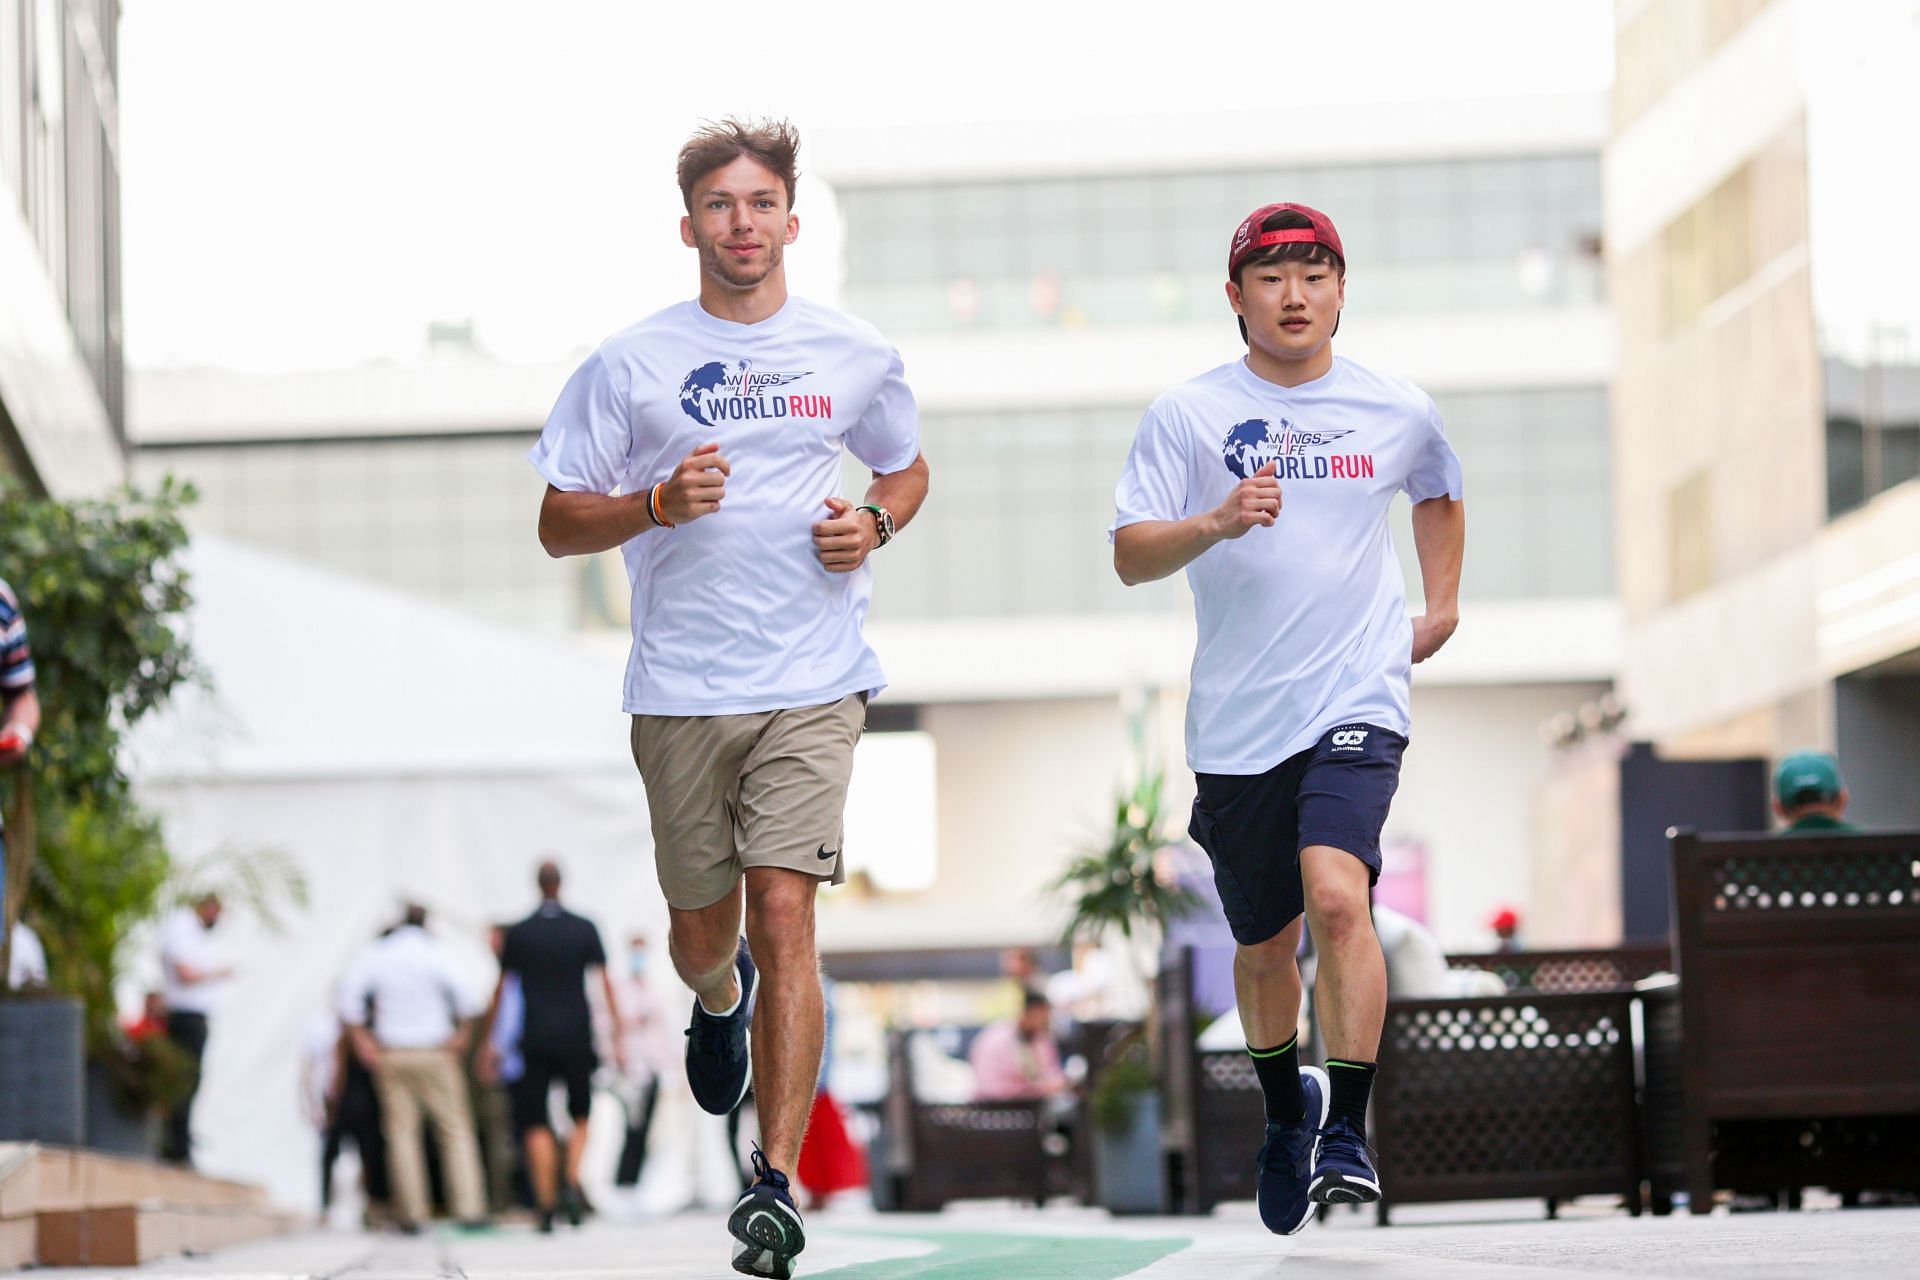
(59, 159)
(1016, 525)
(1873, 430)
(451, 520)
(1151, 249)
(1021, 501)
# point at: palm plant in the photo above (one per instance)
(1122, 885)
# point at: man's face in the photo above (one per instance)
(1034, 1022)
(1290, 307)
(740, 223)
(209, 912)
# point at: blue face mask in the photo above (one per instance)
(637, 962)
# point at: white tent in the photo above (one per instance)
(395, 750)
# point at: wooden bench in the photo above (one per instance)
(1520, 1095)
(1799, 995)
(1529, 1093)
(937, 1151)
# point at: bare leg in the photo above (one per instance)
(789, 1020)
(703, 943)
(1351, 989)
(541, 1166)
(1266, 980)
(576, 1150)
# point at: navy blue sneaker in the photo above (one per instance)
(1285, 1162)
(765, 1225)
(717, 1063)
(1343, 1166)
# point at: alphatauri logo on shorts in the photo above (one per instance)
(720, 391)
(1252, 444)
(1349, 739)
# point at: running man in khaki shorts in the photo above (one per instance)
(705, 442)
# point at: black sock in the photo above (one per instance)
(1352, 1085)
(1279, 1072)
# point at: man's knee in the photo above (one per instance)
(703, 939)
(1338, 906)
(1273, 958)
(780, 917)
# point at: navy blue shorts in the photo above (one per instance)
(1254, 825)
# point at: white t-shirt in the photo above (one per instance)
(186, 941)
(418, 996)
(733, 612)
(1302, 626)
(27, 966)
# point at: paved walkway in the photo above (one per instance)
(1452, 1242)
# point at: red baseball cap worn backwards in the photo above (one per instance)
(1250, 239)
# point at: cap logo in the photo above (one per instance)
(1290, 235)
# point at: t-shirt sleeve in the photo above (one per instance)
(887, 436)
(16, 659)
(1436, 468)
(595, 953)
(1153, 485)
(512, 948)
(589, 435)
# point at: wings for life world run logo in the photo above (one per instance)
(1252, 444)
(720, 391)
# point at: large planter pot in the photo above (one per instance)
(1127, 1167)
(42, 1072)
(113, 1125)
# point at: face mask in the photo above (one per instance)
(637, 963)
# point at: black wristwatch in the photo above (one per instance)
(882, 520)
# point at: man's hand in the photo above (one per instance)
(1430, 631)
(845, 539)
(486, 1064)
(1254, 501)
(696, 486)
(365, 1048)
(13, 746)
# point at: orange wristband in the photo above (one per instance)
(653, 507)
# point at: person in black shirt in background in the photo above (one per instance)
(552, 951)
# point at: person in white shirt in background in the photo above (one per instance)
(194, 977)
(422, 1015)
(646, 1055)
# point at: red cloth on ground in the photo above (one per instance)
(830, 1160)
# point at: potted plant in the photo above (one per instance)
(103, 592)
(1120, 888)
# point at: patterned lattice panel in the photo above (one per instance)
(1827, 882)
(976, 1119)
(1501, 1089)
(1551, 971)
(1228, 1073)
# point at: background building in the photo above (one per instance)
(1766, 412)
(60, 371)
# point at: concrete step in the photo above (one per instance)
(66, 1207)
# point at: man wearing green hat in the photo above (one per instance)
(1809, 794)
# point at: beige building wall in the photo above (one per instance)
(1743, 148)
(1719, 430)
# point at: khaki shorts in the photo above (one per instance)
(766, 789)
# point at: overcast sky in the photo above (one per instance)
(307, 184)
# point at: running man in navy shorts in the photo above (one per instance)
(1269, 480)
